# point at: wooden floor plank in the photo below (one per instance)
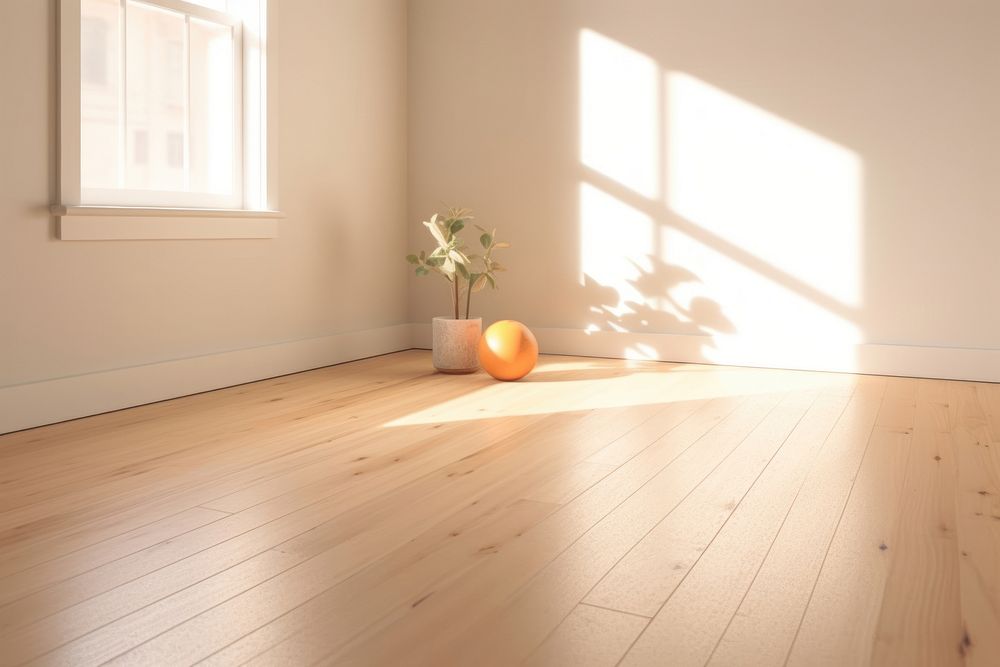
(433, 504)
(325, 562)
(138, 580)
(209, 490)
(643, 580)
(404, 577)
(213, 416)
(762, 629)
(333, 602)
(541, 544)
(588, 637)
(977, 456)
(838, 626)
(694, 609)
(508, 632)
(205, 478)
(228, 540)
(377, 513)
(921, 620)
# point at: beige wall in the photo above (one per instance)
(859, 206)
(70, 308)
(878, 123)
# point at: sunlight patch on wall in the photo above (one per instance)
(766, 323)
(615, 242)
(619, 113)
(783, 194)
(732, 225)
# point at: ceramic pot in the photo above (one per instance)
(455, 344)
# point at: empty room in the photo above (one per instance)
(439, 333)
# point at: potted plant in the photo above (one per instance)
(455, 337)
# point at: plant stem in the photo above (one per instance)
(456, 296)
(468, 297)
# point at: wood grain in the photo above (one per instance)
(763, 627)
(601, 511)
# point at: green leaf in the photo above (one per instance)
(486, 240)
(412, 259)
(422, 271)
(457, 226)
(423, 255)
(464, 271)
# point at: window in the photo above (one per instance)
(175, 151)
(94, 51)
(140, 145)
(163, 105)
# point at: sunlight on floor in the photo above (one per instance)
(560, 386)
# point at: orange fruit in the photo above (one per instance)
(508, 350)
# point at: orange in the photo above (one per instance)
(508, 350)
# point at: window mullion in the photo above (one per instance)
(195, 10)
(123, 95)
(239, 115)
(187, 102)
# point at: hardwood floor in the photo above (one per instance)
(598, 512)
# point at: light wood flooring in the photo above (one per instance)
(598, 512)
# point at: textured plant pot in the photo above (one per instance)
(455, 344)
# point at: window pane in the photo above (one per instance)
(211, 4)
(212, 107)
(156, 92)
(161, 107)
(140, 147)
(100, 93)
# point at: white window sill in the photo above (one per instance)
(111, 223)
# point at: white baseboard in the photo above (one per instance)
(37, 403)
(33, 404)
(981, 365)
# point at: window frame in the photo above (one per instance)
(162, 216)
